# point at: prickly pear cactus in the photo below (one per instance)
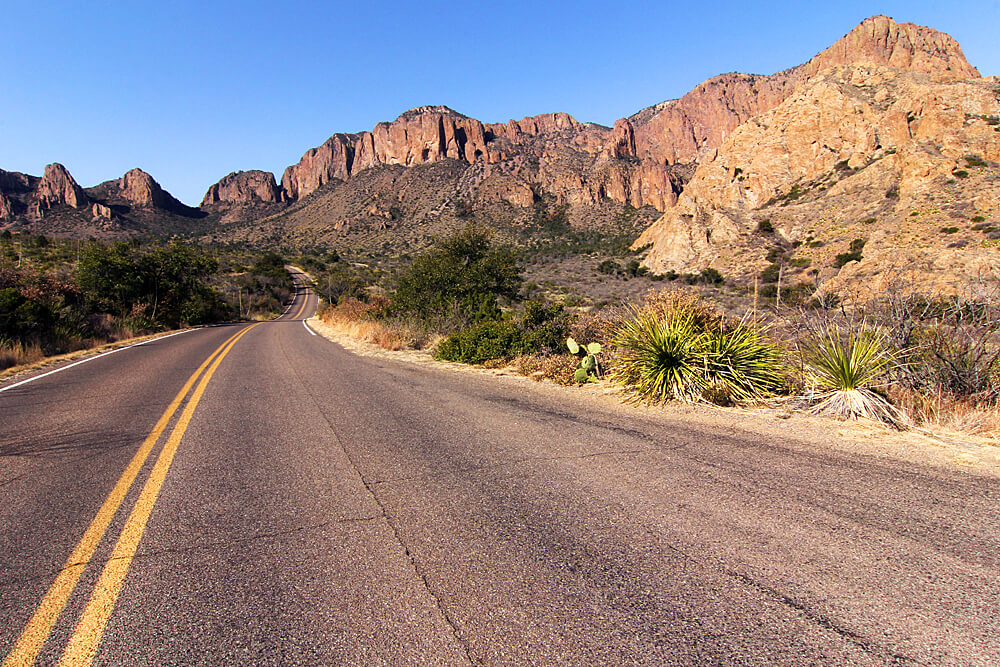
(589, 369)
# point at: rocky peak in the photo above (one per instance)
(141, 189)
(683, 130)
(244, 187)
(58, 187)
(438, 109)
(879, 40)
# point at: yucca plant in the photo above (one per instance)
(846, 369)
(741, 362)
(659, 358)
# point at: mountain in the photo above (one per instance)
(56, 204)
(895, 150)
(888, 126)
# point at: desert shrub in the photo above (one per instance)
(765, 226)
(847, 367)
(675, 346)
(539, 329)
(960, 173)
(770, 273)
(710, 276)
(458, 282)
(558, 368)
(609, 267)
(481, 342)
(853, 255)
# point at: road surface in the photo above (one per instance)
(287, 502)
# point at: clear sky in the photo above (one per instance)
(190, 91)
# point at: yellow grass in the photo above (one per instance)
(353, 318)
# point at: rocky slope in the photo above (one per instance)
(906, 162)
(124, 207)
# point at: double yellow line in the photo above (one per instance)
(83, 644)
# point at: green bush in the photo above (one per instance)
(538, 329)
(458, 282)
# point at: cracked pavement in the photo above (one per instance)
(325, 508)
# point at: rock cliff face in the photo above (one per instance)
(857, 152)
(139, 188)
(6, 208)
(57, 187)
(683, 130)
(244, 187)
(577, 163)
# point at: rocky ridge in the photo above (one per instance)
(56, 204)
(907, 163)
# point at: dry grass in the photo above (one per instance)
(944, 411)
(356, 319)
(17, 353)
(558, 368)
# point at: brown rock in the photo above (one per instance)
(244, 187)
(333, 160)
(6, 208)
(824, 159)
(100, 212)
(58, 187)
(684, 129)
(139, 188)
(622, 140)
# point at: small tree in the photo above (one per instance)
(458, 282)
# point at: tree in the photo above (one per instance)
(459, 281)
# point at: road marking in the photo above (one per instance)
(303, 308)
(308, 328)
(37, 631)
(96, 356)
(83, 644)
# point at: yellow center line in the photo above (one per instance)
(83, 644)
(302, 309)
(37, 631)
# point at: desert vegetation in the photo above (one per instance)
(59, 296)
(897, 357)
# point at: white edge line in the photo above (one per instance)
(308, 328)
(96, 356)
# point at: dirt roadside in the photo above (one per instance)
(947, 450)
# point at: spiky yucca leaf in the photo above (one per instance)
(659, 359)
(848, 368)
(677, 356)
(742, 362)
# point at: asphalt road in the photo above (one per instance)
(302, 505)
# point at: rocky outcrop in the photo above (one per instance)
(683, 130)
(244, 187)
(6, 208)
(333, 160)
(57, 187)
(881, 41)
(857, 152)
(100, 212)
(139, 188)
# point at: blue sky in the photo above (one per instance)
(190, 91)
